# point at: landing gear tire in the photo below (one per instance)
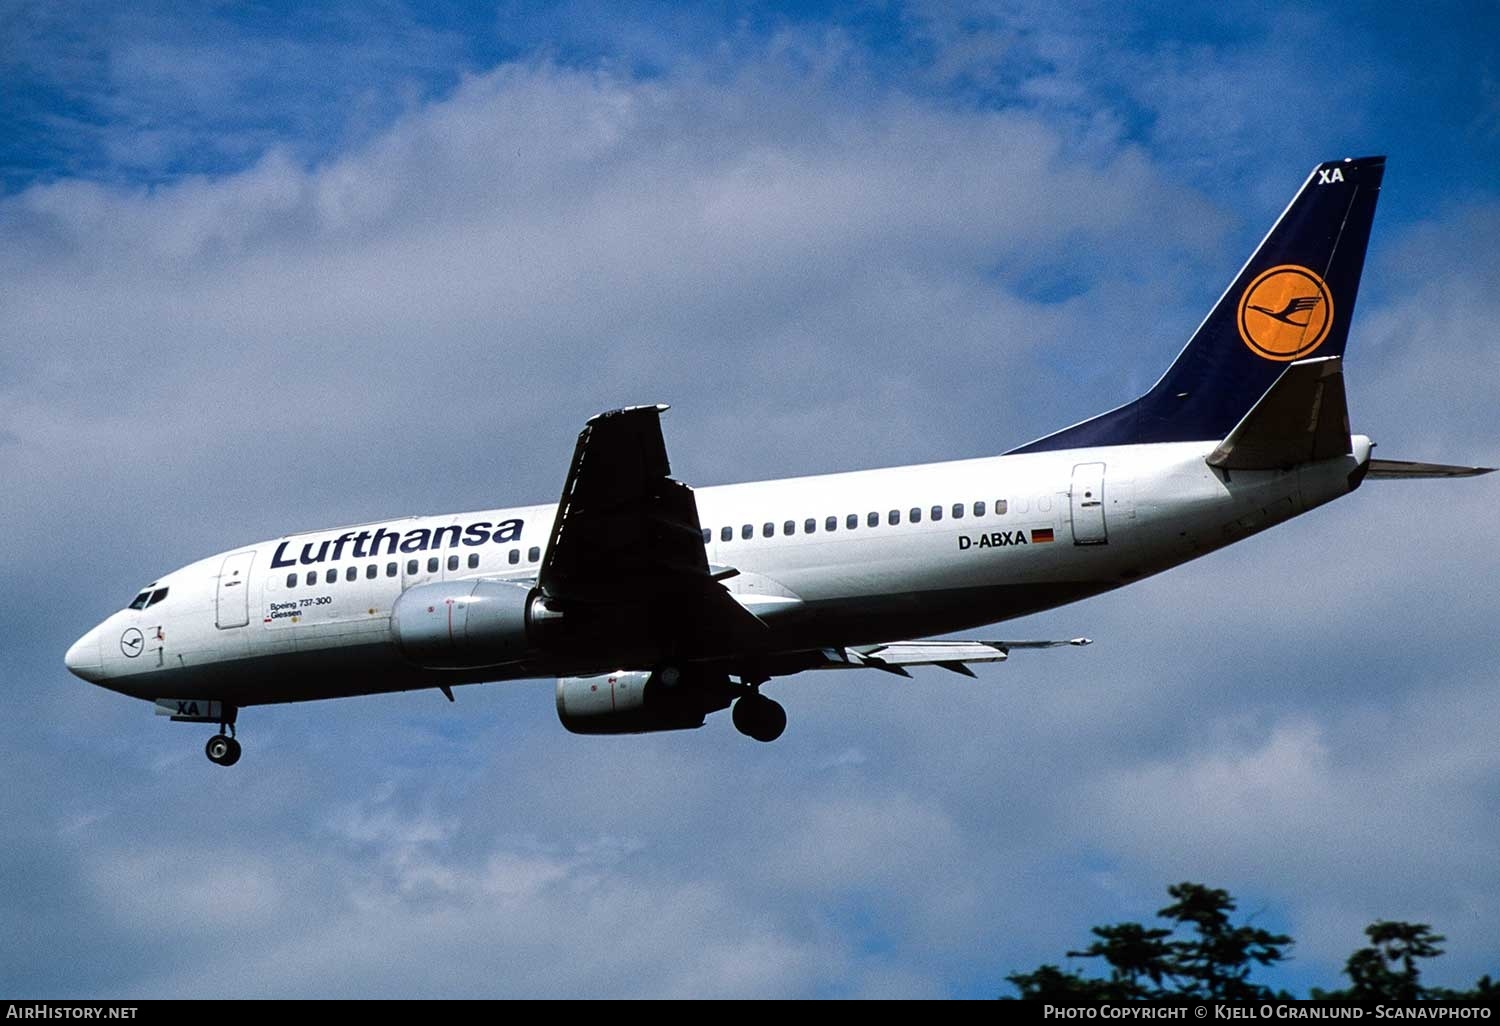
(759, 717)
(222, 750)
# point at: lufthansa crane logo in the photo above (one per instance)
(1285, 313)
(132, 642)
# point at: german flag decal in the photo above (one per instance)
(1041, 535)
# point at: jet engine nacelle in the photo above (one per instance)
(463, 624)
(640, 701)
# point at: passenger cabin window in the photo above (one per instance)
(452, 563)
(331, 576)
(958, 511)
(979, 509)
(851, 521)
(411, 568)
(916, 514)
(515, 556)
(1001, 507)
(371, 572)
(312, 578)
(893, 517)
(726, 533)
(351, 574)
(873, 519)
(707, 535)
(747, 532)
(831, 524)
(473, 561)
(432, 564)
(390, 569)
(768, 529)
(790, 527)
(937, 512)
(139, 602)
(809, 525)
(533, 554)
(291, 580)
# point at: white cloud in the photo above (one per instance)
(425, 920)
(547, 233)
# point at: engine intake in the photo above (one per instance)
(465, 624)
(640, 701)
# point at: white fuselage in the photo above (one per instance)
(308, 616)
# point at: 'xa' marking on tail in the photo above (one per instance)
(1293, 299)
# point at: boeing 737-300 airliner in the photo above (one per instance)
(655, 604)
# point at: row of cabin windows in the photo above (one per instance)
(872, 519)
(413, 567)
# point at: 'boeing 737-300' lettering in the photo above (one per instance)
(279, 610)
(381, 542)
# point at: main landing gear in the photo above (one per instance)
(759, 717)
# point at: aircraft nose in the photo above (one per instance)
(82, 659)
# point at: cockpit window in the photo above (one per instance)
(140, 600)
(157, 596)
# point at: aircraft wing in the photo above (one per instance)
(627, 535)
(950, 655)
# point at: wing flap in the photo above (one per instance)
(954, 656)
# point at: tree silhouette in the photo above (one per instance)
(1133, 952)
(1051, 984)
(1387, 970)
(1216, 963)
(1373, 970)
(1214, 959)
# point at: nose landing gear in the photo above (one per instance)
(222, 749)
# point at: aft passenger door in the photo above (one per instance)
(1087, 497)
(234, 590)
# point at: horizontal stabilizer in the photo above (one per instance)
(1404, 470)
(1302, 418)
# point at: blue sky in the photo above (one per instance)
(273, 268)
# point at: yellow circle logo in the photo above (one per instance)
(1285, 313)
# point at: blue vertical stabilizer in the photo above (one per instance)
(1292, 300)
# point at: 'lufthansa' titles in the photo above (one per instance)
(367, 544)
